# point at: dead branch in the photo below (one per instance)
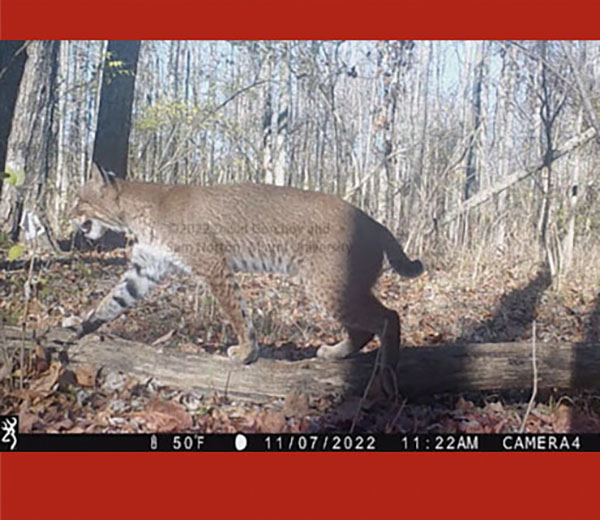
(507, 181)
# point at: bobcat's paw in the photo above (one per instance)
(81, 328)
(340, 350)
(242, 354)
(74, 325)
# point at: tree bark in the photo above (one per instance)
(111, 145)
(583, 90)
(573, 201)
(471, 174)
(422, 370)
(12, 64)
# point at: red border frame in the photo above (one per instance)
(283, 485)
(306, 485)
(299, 19)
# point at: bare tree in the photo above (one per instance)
(111, 145)
(33, 139)
(471, 166)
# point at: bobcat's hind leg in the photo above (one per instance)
(226, 290)
(356, 340)
(389, 334)
(386, 324)
(360, 310)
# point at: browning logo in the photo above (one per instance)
(9, 427)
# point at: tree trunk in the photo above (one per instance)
(471, 179)
(583, 90)
(111, 145)
(33, 140)
(12, 63)
(573, 197)
(505, 120)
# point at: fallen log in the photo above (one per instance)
(422, 370)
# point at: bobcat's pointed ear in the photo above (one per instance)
(102, 176)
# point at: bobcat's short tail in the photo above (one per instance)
(398, 259)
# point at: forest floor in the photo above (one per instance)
(496, 300)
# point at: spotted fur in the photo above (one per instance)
(336, 250)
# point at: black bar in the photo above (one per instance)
(194, 442)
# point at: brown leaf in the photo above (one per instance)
(189, 347)
(48, 380)
(271, 421)
(164, 338)
(165, 416)
(42, 354)
(65, 424)
(40, 365)
(463, 404)
(26, 421)
(496, 407)
(86, 375)
(76, 429)
(296, 404)
(66, 379)
(42, 359)
(470, 426)
(562, 418)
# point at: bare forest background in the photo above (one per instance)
(479, 146)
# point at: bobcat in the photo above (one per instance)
(333, 247)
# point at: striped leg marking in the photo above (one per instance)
(226, 290)
(148, 268)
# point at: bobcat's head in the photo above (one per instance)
(98, 206)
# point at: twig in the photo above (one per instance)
(367, 388)
(7, 359)
(227, 384)
(397, 416)
(535, 381)
(14, 57)
(371, 378)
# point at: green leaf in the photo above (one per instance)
(84, 270)
(15, 178)
(15, 252)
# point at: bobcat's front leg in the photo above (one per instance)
(226, 290)
(148, 267)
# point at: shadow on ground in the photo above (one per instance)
(511, 321)
(592, 337)
(514, 314)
